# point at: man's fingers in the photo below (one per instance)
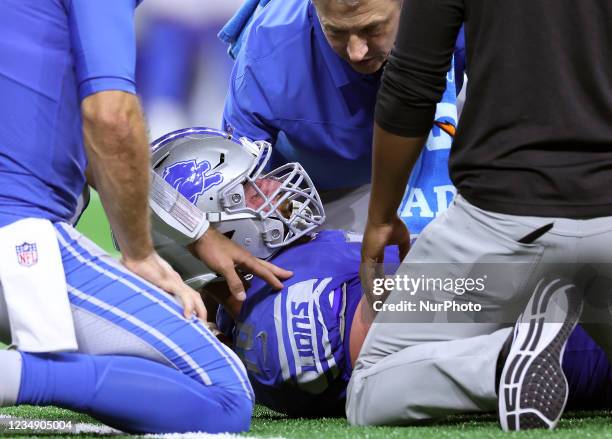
(366, 275)
(200, 309)
(212, 244)
(372, 254)
(157, 271)
(192, 302)
(187, 305)
(234, 283)
(279, 272)
(401, 236)
(265, 273)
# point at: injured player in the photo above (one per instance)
(298, 345)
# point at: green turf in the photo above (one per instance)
(269, 424)
(94, 225)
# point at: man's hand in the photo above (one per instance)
(157, 271)
(223, 256)
(375, 239)
(393, 158)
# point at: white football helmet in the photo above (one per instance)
(226, 179)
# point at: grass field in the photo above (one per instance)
(269, 424)
(94, 225)
(273, 425)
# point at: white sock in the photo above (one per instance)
(10, 378)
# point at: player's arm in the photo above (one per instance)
(103, 42)
(412, 84)
(103, 45)
(118, 153)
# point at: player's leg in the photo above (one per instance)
(173, 402)
(128, 393)
(118, 313)
(413, 365)
(530, 399)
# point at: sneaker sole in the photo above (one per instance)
(533, 389)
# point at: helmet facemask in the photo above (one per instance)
(284, 200)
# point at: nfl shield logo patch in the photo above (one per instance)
(27, 255)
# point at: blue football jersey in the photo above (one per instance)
(54, 54)
(430, 191)
(294, 343)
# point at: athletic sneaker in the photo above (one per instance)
(533, 389)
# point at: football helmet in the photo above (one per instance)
(226, 178)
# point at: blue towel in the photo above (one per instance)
(233, 31)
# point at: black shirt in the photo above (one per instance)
(535, 136)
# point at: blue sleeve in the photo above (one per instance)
(247, 111)
(103, 44)
(460, 59)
